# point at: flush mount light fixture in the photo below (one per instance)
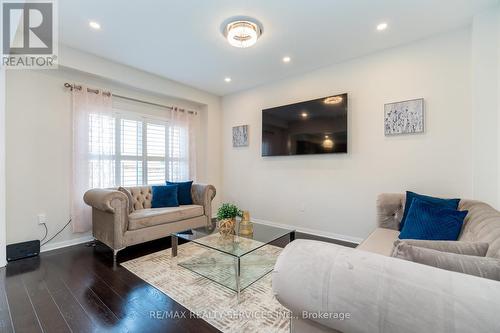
(242, 32)
(286, 59)
(382, 26)
(227, 79)
(95, 25)
(333, 100)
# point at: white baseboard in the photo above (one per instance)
(314, 232)
(66, 243)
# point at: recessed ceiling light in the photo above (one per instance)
(286, 59)
(304, 114)
(95, 25)
(382, 26)
(242, 32)
(227, 79)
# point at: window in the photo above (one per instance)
(132, 150)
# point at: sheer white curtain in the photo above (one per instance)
(93, 150)
(181, 158)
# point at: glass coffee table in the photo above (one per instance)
(233, 261)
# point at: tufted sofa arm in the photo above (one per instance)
(381, 294)
(109, 216)
(203, 195)
(390, 208)
(102, 199)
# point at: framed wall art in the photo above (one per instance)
(406, 117)
(240, 136)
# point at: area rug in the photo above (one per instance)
(257, 310)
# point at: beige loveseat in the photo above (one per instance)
(119, 222)
(321, 283)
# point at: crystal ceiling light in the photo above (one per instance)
(382, 26)
(328, 143)
(333, 100)
(95, 25)
(242, 32)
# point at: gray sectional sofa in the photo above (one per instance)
(322, 282)
(482, 224)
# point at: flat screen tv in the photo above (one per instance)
(313, 127)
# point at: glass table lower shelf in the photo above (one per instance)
(231, 272)
(235, 261)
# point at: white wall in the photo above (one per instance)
(39, 137)
(485, 69)
(335, 194)
(2, 169)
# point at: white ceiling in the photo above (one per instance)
(181, 40)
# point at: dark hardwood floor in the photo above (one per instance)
(78, 289)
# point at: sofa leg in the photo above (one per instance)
(115, 254)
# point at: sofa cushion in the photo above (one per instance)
(432, 222)
(184, 192)
(154, 216)
(488, 268)
(410, 196)
(482, 224)
(164, 196)
(468, 248)
(380, 241)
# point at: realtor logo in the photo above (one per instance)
(29, 34)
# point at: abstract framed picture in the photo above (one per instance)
(406, 117)
(240, 136)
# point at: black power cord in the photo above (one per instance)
(46, 232)
(51, 238)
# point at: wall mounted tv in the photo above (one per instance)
(314, 127)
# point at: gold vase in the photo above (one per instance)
(226, 227)
(246, 227)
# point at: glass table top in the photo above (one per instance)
(235, 245)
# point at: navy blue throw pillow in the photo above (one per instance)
(164, 196)
(431, 222)
(446, 203)
(184, 194)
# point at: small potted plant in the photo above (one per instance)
(226, 215)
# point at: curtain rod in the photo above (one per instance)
(107, 93)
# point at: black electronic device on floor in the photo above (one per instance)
(23, 250)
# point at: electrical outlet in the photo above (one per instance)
(42, 218)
